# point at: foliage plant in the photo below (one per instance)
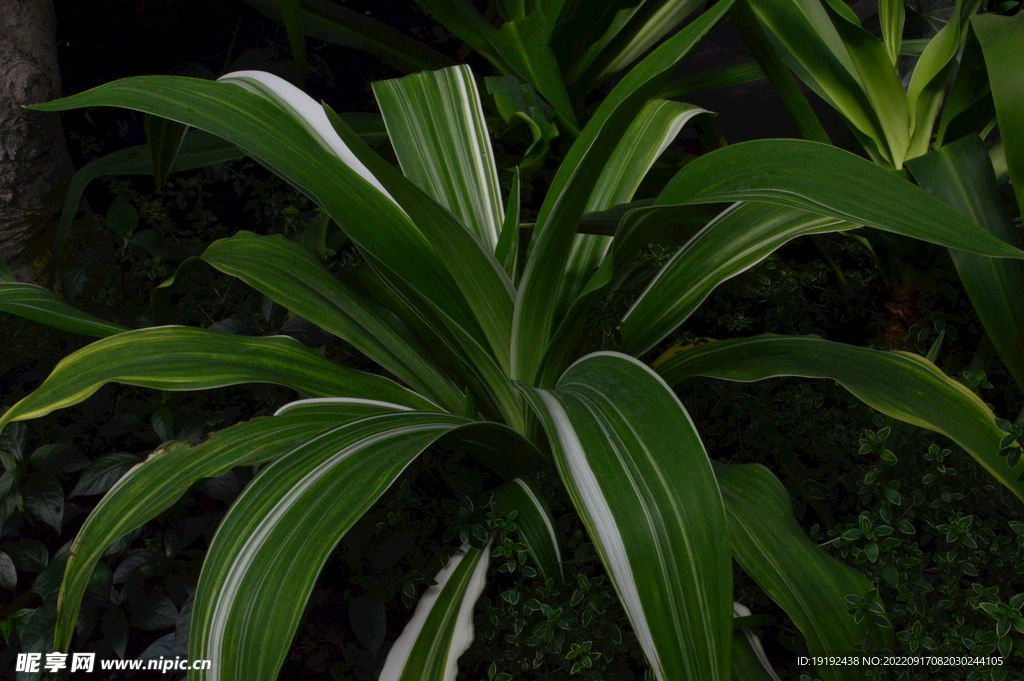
(479, 348)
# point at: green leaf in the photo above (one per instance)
(40, 305)
(44, 498)
(570, 191)
(507, 250)
(154, 485)
(438, 132)
(337, 24)
(288, 274)
(291, 17)
(899, 384)
(103, 474)
(441, 628)
(523, 45)
(198, 149)
(931, 73)
(739, 238)
(891, 16)
(186, 358)
(749, 662)
(535, 524)
(713, 79)
(961, 175)
(1002, 41)
(274, 540)
(827, 180)
(164, 138)
(806, 582)
(640, 479)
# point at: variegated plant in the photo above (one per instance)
(484, 350)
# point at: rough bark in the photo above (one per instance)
(34, 162)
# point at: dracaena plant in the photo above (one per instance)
(964, 83)
(484, 350)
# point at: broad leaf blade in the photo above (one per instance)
(639, 477)
(270, 547)
(438, 132)
(736, 240)
(807, 583)
(1002, 41)
(441, 629)
(288, 274)
(291, 17)
(157, 483)
(900, 384)
(961, 175)
(827, 180)
(187, 358)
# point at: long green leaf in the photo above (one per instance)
(732, 243)
(41, 305)
(573, 184)
(290, 275)
(824, 179)
(280, 126)
(969, 107)
(441, 629)
(961, 175)
(1002, 42)
(535, 524)
(438, 132)
(806, 582)
(640, 479)
(187, 358)
(714, 78)
(749, 662)
(269, 549)
(891, 16)
(154, 485)
(900, 384)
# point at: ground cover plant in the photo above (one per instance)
(493, 337)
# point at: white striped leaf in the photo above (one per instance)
(535, 524)
(902, 385)
(793, 571)
(572, 186)
(651, 132)
(641, 481)
(439, 134)
(153, 486)
(739, 238)
(269, 549)
(187, 358)
(441, 628)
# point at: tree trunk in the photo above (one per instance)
(34, 162)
